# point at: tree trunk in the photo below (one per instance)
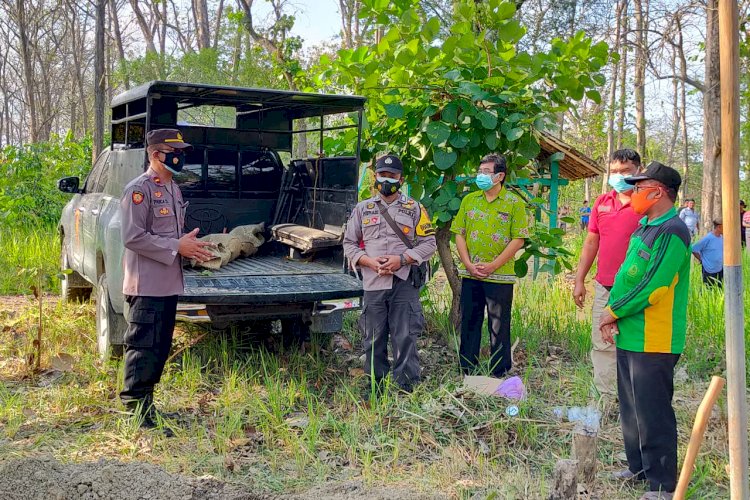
(622, 100)
(28, 69)
(612, 96)
(640, 77)
(711, 188)
(683, 106)
(148, 36)
(346, 23)
(443, 240)
(99, 88)
(118, 41)
(587, 189)
(217, 26)
(200, 14)
(675, 113)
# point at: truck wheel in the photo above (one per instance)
(110, 326)
(73, 287)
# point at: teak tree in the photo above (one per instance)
(441, 101)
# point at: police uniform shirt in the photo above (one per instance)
(368, 225)
(153, 216)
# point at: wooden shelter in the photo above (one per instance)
(559, 164)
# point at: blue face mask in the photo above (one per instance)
(617, 181)
(484, 182)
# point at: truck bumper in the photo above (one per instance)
(190, 312)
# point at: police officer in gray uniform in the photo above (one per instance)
(391, 301)
(153, 216)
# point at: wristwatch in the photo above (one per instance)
(403, 260)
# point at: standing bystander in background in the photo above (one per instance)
(690, 217)
(612, 223)
(710, 253)
(585, 212)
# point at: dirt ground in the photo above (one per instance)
(45, 478)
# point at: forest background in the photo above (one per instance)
(61, 62)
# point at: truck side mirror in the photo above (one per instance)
(68, 185)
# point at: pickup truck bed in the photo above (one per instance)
(268, 279)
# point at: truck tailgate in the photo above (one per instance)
(267, 280)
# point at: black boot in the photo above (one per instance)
(155, 413)
(143, 409)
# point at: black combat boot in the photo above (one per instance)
(143, 409)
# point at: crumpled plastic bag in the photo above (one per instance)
(510, 388)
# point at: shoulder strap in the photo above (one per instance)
(392, 223)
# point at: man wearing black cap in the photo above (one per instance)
(646, 317)
(153, 215)
(398, 236)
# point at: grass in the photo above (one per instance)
(285, 421)
(25, 250)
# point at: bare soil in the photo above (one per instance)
(44, 478)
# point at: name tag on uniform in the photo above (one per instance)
(644, 254)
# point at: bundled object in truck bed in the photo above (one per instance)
(306, 239)
(242, 241)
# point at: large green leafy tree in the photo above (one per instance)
(443, 101)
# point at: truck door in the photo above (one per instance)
(88, 217)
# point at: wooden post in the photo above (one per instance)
(733, 308)
(564, 481)
(554, 190)
(696, 438)
(584, 452)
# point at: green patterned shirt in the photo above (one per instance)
(488, 227)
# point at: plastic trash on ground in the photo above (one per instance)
(586, 419)
(510, 388)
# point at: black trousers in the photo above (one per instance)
(649, 428)
(396, 313)
(147, 342)
(497, 298)
(713, 279)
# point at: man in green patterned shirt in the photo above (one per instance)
(490, 228)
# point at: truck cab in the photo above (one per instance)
(240, 172)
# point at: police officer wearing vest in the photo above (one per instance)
(398, 236)
(153, 217)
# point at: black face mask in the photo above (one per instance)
(174, 161)
(388, 187)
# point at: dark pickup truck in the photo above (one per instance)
(234, 176)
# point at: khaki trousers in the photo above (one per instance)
(603, 356)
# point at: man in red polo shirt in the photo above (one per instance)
(612, 223)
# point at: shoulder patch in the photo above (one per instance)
(137, 197)
(677, 226)
(424, 226)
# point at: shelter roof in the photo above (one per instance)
(575, 165)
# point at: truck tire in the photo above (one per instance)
(73, 287)
(110, 326)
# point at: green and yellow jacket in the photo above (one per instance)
(649, 295)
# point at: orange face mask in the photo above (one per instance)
(640, 200)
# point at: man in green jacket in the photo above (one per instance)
(646, 314)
